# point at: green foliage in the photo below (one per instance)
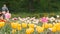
(38, 5)
(28, 7)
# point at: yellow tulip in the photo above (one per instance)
(13, 31)
(31, 25)
(56, 24)
(39, 29)
(58, 28)
(2, 24)
(45, 25)
(29, 30)
(19, 27)
(24, 25)
(50, 25)
(32, 30)
(14, 25)
(53, 29)
(59, 24)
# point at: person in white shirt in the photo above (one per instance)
(4, 8)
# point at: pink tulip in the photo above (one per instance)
(44, 20)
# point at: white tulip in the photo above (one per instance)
(58, 16)
(52, 19)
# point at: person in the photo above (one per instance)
(4, 8)
(3, 12)
(7, 15)
(1, 17)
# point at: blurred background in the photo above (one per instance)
(32, 8)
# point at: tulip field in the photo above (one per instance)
(23, 26)
(29, 16)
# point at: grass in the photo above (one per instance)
(37, 15)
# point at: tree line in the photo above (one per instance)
(32, 5)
